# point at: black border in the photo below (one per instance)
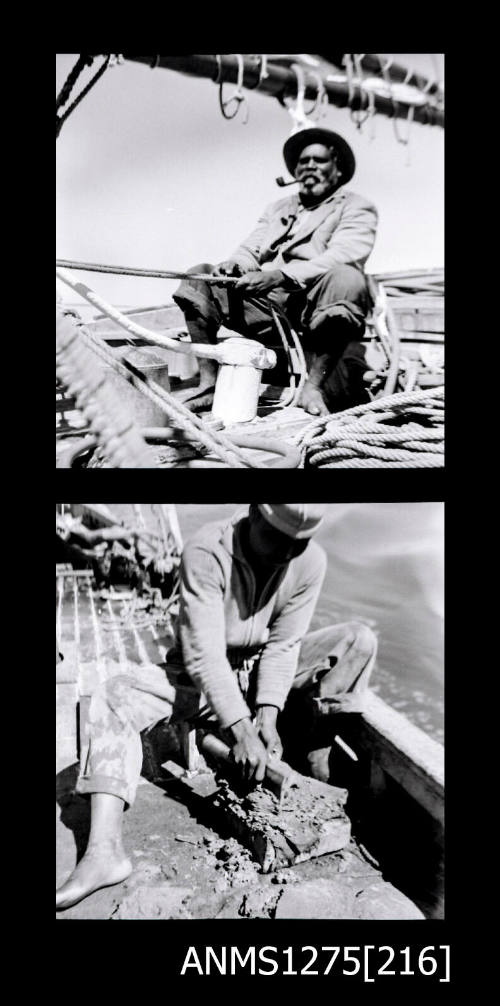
(157, 952)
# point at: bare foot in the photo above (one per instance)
(312, 401)
(102, 866)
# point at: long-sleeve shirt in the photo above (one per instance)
(221, 614)
(306, 244)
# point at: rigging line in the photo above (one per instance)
(263, 72)
(296, 108)
(360, 116)
(72, 78)
(371, 114)
(318, 105)
(349, 73)
(411, 109)
(438, 75)
(60, 119)
(237, 95)
(395, 104)
(120, 270)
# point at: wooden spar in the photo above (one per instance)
(281, 82)
(395, 72)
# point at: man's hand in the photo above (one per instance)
(265, 723)
(248, 751)
(260, 281)
(227, 268)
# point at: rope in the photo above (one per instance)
(294, 393)
(388, 403)
(204, 350)
(62, 118)
(359, 116)
(349, 74)
(108, 419)
(123, 270)
(237, 95)
(297, 108)
(359, 437)
(181, 416)
(395, 105)
(263, 72)
(176, 411)
(420, 461)
(71, 80)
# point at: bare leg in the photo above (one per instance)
(311, 398)
(203, 397)
(335, 666)
(204, 331)
(104, 862)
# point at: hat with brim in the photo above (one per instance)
(296, 143)
(297, 520)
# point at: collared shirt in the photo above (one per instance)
(220, 613)
(299, 219)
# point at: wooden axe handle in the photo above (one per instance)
(278, 773)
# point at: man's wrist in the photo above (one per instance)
(267, 713)
(242, 728)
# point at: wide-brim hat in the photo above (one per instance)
(296, 143)
(297, 520)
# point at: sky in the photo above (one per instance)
(150, 175)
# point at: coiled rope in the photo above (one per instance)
(404, 430)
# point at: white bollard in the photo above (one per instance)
(236, 394)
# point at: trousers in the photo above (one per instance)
(329, 317)
(334, 668)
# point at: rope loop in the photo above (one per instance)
(360, 115)
(395, 106)
(237, 96)
(263, 72)
(296, 108)
(318, 110)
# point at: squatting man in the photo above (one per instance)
(305, 257)
(248, 590)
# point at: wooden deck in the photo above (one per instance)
(396, 770)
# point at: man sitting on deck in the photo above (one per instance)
(306, 257)
(249, 587)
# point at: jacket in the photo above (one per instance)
(341, 230)
(219, 613)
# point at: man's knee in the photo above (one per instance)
(363, 639)
(343, 283)
(110, 698)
